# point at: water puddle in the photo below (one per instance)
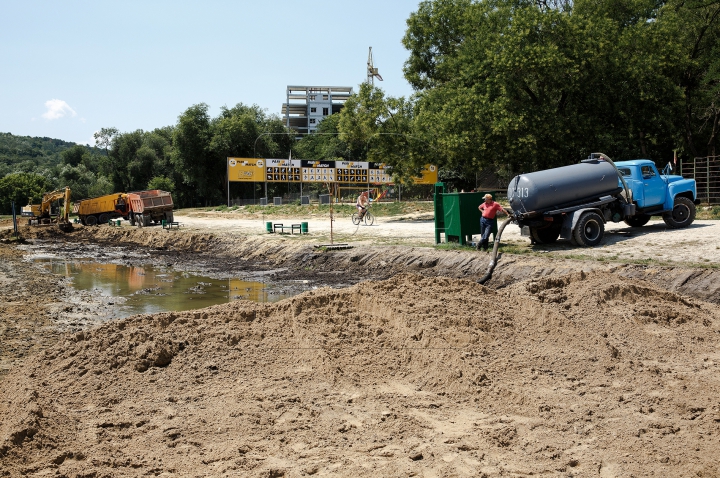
(148, 289)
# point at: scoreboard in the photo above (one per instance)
(306, 171)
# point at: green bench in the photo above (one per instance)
(279, 227)
(169, 225)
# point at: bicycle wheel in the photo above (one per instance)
(355, 218)
(369, 219)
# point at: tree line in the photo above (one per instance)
(504, 85)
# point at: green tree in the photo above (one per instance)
(126, 173)
(75, 155)
(381, 129)
(162, 183)
(21, 187)
(692, 29)
(327, 143)
(246, 131)
(522, 85)
(201, 171)
(104, 138)
(142, 167)
(83, 182)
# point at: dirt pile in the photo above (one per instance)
(586, 374)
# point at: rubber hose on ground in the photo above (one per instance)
(493, 257)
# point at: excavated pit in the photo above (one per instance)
(558, 367)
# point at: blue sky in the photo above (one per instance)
(69, 68)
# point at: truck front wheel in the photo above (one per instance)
(589, 229)
(682, 215)
(637, 220)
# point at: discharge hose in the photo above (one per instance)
(493, 257)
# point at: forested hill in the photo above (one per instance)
(30, 154)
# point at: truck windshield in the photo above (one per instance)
(624, 171)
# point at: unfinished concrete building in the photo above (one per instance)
(306, 106)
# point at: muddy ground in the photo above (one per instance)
(570, 362)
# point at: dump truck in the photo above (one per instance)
(101, 209)
(575, 202)
(44, 213)
(150, 206)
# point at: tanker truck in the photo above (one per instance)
(575, 202)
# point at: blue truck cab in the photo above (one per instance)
(658, 193)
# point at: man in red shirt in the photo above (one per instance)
(489, 209)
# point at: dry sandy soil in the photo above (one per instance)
(569, 362)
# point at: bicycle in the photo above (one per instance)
(367, 217)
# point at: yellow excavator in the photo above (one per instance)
(43, 213)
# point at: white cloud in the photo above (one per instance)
(57, 109)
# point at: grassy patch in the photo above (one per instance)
(454, 246)
(514, 248)
(708, 213)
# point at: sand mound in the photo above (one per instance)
(584, 375)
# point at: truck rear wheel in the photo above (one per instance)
(589, 229)
(682, 215)
(91, 220)
(104, 218)
(140, 220)
(637, 220)
(132, 219)
(546, 235)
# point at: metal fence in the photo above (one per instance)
(706, 173)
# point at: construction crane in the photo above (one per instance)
(372, 72)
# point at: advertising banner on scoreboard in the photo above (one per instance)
(246, 169)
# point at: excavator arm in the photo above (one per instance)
(42, 212)
(49, 198)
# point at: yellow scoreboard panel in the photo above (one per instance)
(246, 169)
(428, 175)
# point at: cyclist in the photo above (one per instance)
(362, 203)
